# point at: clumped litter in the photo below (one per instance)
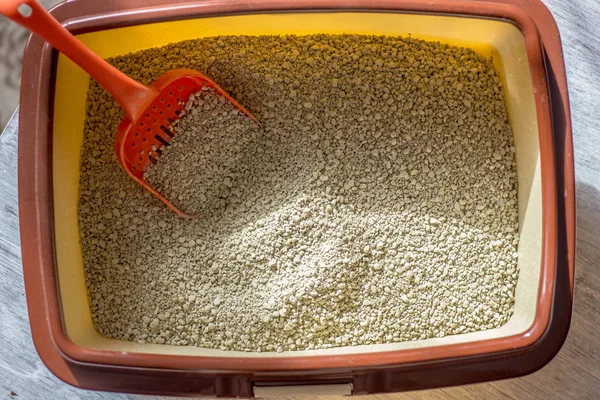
(378, 204)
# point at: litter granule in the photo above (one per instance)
(378, 203)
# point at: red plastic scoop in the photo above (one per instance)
(149, 110)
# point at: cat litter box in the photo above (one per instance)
(522, 38)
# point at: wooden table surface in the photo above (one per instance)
(573, 374)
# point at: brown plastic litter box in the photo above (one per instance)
(523, 39)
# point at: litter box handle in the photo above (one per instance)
(131, 95)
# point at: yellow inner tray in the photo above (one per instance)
(502, 40)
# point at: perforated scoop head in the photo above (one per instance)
(139, 143)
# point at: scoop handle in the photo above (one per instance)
(131, 95)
